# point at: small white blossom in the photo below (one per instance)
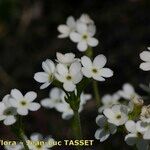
(7, 112)
(67, 58)
(145, 56)
(23, 103)
(84, 36)
(56, 96)
(36, 138)
(66, 29)
(117, 114)
(108, 101)
(105, 129)
(69, 76)
(127, 92)
(96, 68)
(47, 76)
(135, 136)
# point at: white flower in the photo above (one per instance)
(14, 147)
(108, 101)
(135, 136)
(7, 112)
(56, 96)
(36, 138)
(69, 76)
(47, 76)
(67, 58)
(23, 103)
(66, 29)
(85, 18)
(96, 68)
(145, 56)
(145, 114)
(84, 36)
(105, 129)
(117, 114)
(127, 92)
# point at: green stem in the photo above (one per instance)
(22, 138)
(96, 93)
(77, 125)
(18, 131)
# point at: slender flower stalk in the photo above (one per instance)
(77, 125)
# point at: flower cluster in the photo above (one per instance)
(80, 31)
(57, 101)
(15, 104)
(69, 70)
(130, 113)
(36, 142)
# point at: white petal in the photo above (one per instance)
(131, 126)
(45, 85)
(13, 102)
(81, 27)
(75, 37)
(34, 106)
(22, 111)
(36, 137)
(75, 68)
(51, 65)
(30, 96)
(101, 120)
(62, 69)
(106, 72)
(108, 113)
(41, 77)
(55, 93)
(47, 103)
(69, 86)
(64, 30)
(147, 135)
(92, 42)
(15, 93)
(86, 72)
(98, 77)
(59, 77)
(77, 78)
(145, 56)
(102, 135)
(99, 61)
(86, 62)
(131, 139)
(128, 88)
(10, 120)
(82, 46)
(71, 22)
(145, 66)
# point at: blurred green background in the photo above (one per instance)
(28, 35)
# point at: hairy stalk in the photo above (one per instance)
(89, 53)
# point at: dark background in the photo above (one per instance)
(28, 35)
